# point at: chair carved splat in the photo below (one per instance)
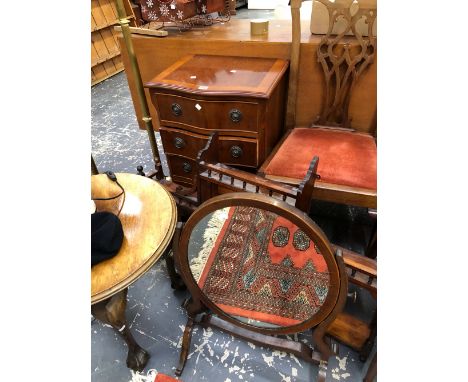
(341, 61)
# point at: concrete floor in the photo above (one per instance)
(154, 311)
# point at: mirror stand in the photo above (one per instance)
(228, 256)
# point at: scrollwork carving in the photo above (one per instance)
(344, 58)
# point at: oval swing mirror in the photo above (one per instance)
(260, 262)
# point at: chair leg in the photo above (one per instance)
(112, 311)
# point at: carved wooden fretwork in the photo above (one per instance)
(344, 58)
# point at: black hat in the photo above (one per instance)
(106, 236)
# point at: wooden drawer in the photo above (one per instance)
(183, 170)
(181, 142)
(234, 150)
(179, 111)
(238, 151)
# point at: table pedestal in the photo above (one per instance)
(112, 312)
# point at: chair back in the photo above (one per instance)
(344, 54)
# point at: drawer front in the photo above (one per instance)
(233, 150)
(238, 152)
(182, 143)
(183, 170)
(178, 111)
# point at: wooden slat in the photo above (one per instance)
(93, 23)
(154, 31)
(118, 63)
(106, 15)
(107, 10)
(99, 72)
(105, 48)
(94, 56)
(359, 262)
(105, 58)
(115, 36)
(105, 77)
(110, 67)
(97, 13)
(108, 39)
(114, 9)
(104, 44)
(98, 42)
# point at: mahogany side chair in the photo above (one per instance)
(348, 158)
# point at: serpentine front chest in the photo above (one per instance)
(242, 98)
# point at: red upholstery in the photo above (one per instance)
(345, 158)
(165, 378)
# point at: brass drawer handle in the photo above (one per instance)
(236, 151)
(235, 115)
(179, 142)
(187, 167)
(176, 109)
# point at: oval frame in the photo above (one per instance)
(296, 216)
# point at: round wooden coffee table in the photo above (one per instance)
(149, 218)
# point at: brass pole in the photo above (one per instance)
(123, 21)
(94, 170)
(294, 63)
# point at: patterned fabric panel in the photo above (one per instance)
(264, 267)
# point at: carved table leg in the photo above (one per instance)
(112, 311)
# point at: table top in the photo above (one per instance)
(222, 75)
(149, 218)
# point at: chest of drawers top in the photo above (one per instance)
(221, 76)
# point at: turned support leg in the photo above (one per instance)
(112, 312)
(185, 346)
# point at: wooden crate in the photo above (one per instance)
(105, 53)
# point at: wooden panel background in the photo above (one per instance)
(105, 50)
(233, 38)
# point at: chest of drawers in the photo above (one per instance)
(241, 98)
